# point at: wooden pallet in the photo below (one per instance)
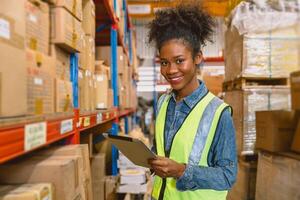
(244, 82)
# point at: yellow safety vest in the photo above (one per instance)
(181, 148)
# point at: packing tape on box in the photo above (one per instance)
(39, 58)
(33, 43)
(8, 34)
(38, 108)
(74, 7)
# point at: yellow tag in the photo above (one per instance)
(67, 103)
(86, 121)
(38, 106)
(33, 43)
(39, 58)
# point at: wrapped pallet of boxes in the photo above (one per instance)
(89, 18)
(295, 90)
(13, 97)
(245, 186)
(38, 191)
(269, 47)
(275, 129)
(62, 173)
(40, 82)
(104, 53)
(102, 85)
(245, 103)
(278, 177)
(66, 30)
(37, 26)
(74, 7)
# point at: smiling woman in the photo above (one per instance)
(194, 133)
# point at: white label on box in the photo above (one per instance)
(4, 29)
(121, 57)
(32, 18)
(66, 126)
(99, 118)
(38, 81)
(100, 105)
(100, 78)
(35, 135)
(48, 197)
(80, 75)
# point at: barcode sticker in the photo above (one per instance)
(66, 126)
(4, 29)
(35, 135)
(100, 78)
(38, 81)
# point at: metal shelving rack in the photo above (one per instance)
(19, 136)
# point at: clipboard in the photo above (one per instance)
(135, 150)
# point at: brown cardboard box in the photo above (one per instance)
(104, 53)
(244, 104)
(63, 96)
(39, 191)
(296, 139)
(61, 173)
(244, 187)
(84, 90)
(13, 97)
(66, 30)
(295, 90)
(40, 82)
(73, 6)
(37, 26)
(98, 166)
(88, 55)
(89, 18)
(110, 187)
(98, 189)
(275, 129)
(62, 62)
(81, 153)
(278, 177)
(101, 91)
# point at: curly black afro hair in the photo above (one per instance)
(186, 22)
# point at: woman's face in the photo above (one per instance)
(178, 66)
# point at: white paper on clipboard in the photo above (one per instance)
(135, 150)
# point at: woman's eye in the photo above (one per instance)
(163, 63)
(179, 61)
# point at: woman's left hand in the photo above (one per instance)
(165, 167)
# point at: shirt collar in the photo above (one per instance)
(195, 97)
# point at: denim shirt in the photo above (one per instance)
(222, 157)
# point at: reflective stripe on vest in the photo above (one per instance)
(184, 144)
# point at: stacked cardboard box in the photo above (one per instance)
(40, 82)
(102, 75)
(98, 175)
(13, 97)
(38, 191)
(277, 176)
(295, 90)
(68, 168)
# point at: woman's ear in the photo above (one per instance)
(198, 58)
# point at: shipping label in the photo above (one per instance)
(4, 29)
